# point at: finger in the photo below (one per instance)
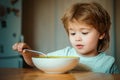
(15, 46)
(21, 46)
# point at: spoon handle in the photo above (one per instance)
(35, 51)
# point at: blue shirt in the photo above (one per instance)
(101, 63)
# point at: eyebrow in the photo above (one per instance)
(80, 29)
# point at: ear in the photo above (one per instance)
(102, 36)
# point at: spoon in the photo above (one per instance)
(38, 52)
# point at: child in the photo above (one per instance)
(87, 25)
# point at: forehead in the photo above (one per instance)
(78, 25)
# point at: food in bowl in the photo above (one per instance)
(55, 64)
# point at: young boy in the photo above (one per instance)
(87, 25)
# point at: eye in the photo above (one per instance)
(72, 33)
(85, 33)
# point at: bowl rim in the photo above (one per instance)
(56, 57)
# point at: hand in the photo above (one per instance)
(20, 47)
(27, 56)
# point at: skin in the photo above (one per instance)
(84, 38)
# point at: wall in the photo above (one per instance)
(117, 30)
(28, 21)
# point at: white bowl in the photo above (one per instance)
(55, 64)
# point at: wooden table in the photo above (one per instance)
(35, 74)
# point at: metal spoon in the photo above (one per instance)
(35, 52)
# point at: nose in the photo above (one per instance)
(78, 38)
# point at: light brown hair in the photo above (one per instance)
(92, 14)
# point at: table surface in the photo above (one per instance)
(35, 74)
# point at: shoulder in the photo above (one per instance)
(107, 57)
(110, 61)
(107, 61)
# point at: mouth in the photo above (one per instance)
(79, 46)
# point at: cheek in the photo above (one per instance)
(71, 39)
(91, 40)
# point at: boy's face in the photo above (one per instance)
(84, 38)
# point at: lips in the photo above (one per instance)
(79, 46)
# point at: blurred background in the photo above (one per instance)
(38, 23)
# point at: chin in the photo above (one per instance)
(81, 52)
